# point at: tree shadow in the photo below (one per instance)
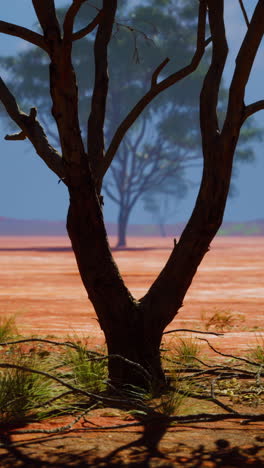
(143, 452)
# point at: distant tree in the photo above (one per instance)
(133, 328)
(151, 160)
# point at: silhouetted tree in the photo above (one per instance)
(152, 158)
(133, 328)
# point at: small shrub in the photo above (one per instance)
(257, 353)
(86, 371)
(171, 403)
(8, 329)
(222, 320)
(21, 391)
(187, 350)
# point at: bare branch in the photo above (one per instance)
(89, 28)
(69, 19)
(244, 12)
(244, 62)
(158, 88)
(252, 109)
(156, 72)
(252, 363)
(100, 91)
(23, 33)
(210, 89)
(46, 14)
(16, 136)
(31, 128)
(193, 331)
(40, 340)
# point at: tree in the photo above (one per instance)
(152, 158)
(133, 328)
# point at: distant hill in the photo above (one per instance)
(23, 227)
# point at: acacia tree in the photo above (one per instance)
(146, 160)
(133, 328)
(152, 159)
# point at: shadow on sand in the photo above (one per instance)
(61, 451)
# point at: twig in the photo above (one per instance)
(192, 331)
(122, 358)
(48, 402)
(214, 400)
(252, 363)
(55, 343)
(64, 384)
(244, 12)
(65, 428)
(156, 72)
(41, 340)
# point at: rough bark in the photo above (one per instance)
(128, 327)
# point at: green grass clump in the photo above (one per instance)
(8, 329)
(256, 354)
(187, 350)
(87, 371)
(23, 393)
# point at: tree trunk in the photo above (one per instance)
(129, 328)
(162, 229)
(122, 226)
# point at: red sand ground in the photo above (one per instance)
(40, 285)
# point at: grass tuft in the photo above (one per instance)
(187, 350)
(21, 393)
(86, 371)
(8, 329)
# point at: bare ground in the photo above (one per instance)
(39, 284)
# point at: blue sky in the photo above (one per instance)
(28, 190)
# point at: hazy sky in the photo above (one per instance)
(29, 190)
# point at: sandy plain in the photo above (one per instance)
(40, 286)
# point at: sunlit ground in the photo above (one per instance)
(40, 286)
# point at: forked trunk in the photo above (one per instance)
(133, 328)
(129, 328)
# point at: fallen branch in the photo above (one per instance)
(252, 363)
(192, 331)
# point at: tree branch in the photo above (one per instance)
(212, 81)
(157, 88)
(69, 19)
(252, 109)
(100, 91)
(192, 331)
(31, 128)
(46, 14)
(244, 62)
(247, 361)
(89, 28)
(244, 12)
(23, 33)
(156, 72)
